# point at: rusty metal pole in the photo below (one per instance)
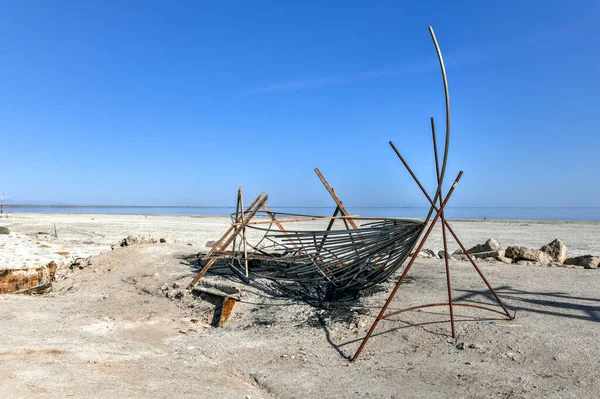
(510, 317)
(412, 260)
(448, 284)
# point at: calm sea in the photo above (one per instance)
(453, 213)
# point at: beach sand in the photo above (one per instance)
(121, 327)
(82, 235)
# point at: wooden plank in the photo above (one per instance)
(232, 228)
(340, 205)
(216, 244)
(254, 202)
(331, 192)
(31, 290)
(201, 273)
(224, 291)
(228, 241)
(247, 221)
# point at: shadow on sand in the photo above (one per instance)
(554, 304)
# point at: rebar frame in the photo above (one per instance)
(445, 226)
(366, 252)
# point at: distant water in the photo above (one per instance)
(451, 213)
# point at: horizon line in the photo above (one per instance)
(285, 206)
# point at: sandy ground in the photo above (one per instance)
(115, 329)
(81, 235)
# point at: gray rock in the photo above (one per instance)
(430, 253)
(587, 261)
(440, 255)
(504, 259)
(427, 253)
(525, 262)
(494, 245)
(528, 254)
(81, 263)
(135, 240)
(496, 256)
(556, 250)
(180, 294)
(490, 245)
(487, 254)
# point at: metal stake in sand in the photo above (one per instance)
(448, 284)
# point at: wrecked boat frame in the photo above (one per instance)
(366, 252)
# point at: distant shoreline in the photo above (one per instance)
(227, 211)
(85, 234)
(292, 206)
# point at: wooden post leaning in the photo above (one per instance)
(229, 236)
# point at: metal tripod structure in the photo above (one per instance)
(442, 200)
(445, 226)
(367, 252)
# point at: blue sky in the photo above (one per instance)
(179, 103)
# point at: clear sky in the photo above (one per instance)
(179, 103)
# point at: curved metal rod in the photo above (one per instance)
(430, 305)
(447, 144)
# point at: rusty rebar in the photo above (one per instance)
(448, 283)
(453, 233)
(406, 270)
